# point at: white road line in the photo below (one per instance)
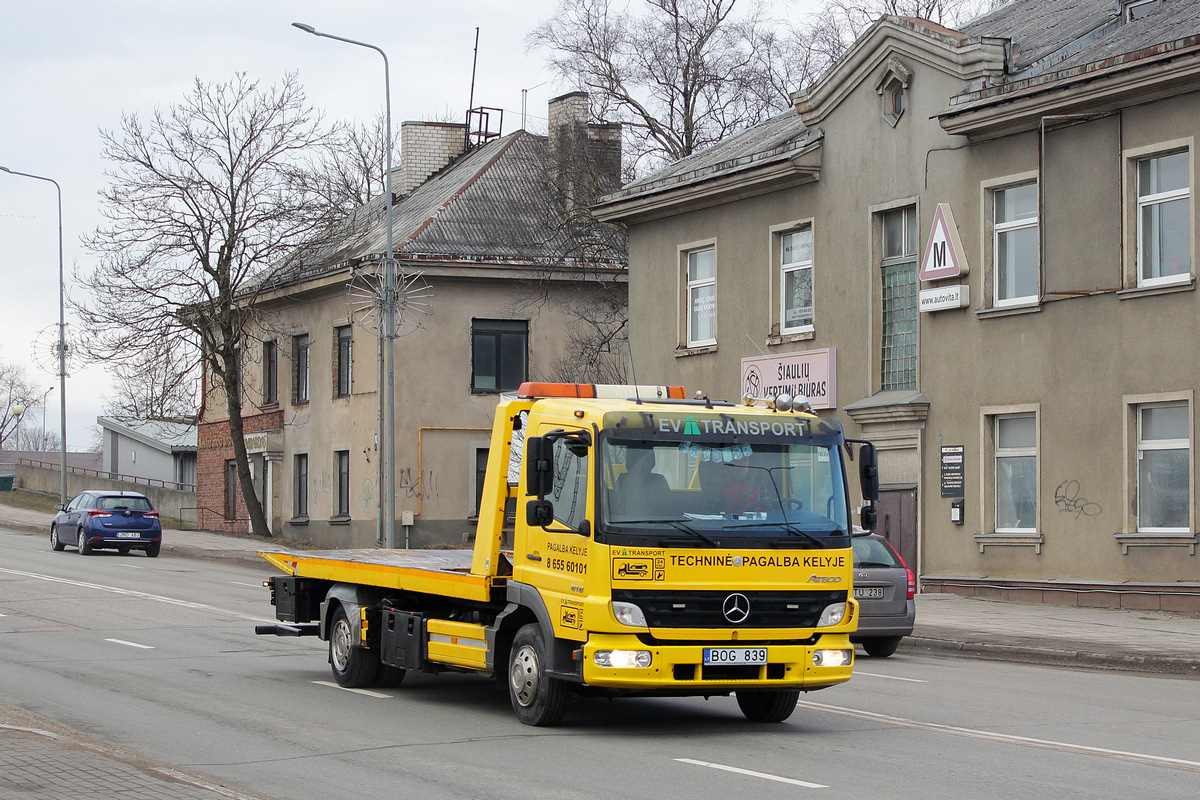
(130, 566)
(1026, 741)
(133, 593)
(888, 677)
(753, 774)
(367, 692)
(130, 644)
(251, 585)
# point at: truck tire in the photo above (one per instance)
(773, 705)
(881, 647)
(353, 667)
(537, 698)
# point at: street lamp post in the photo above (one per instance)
(387, 326)
(62, 341)
(42, 443)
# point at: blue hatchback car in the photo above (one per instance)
(99, 519)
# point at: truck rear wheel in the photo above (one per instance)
(537, 698)
(774, 705)
(353, 667)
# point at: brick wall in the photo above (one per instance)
(425, 148)
(213, 450)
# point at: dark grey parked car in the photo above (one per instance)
(884, 587)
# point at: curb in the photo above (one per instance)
(1055, 656)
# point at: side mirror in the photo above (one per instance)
(60, 507)
(539, 465)
(868, 473)
(539, 513)
(870, 518)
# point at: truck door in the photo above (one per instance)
(556, 556)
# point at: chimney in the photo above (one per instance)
(585, 158)
(425, 149)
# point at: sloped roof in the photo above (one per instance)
(777, 139)
(161, 435)
(1039, 28)
(496, 203)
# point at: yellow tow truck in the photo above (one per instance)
(662, 546)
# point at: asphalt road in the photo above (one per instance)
(159, 656)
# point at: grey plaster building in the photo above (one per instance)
(977, 248)
(499, 260)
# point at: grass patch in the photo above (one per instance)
(33, 501)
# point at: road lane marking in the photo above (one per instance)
(1006, 738)
(751, 773)
(251, 585)
(888, 677)
(130, 566)
(367, 692)
(130, 644)
(134, 593)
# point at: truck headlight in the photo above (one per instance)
(629, 614)
(622, 659)
(833, 614)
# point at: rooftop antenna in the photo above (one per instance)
(471, 99)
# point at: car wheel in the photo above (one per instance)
(84, 547)
(537, 698)
(152, 550)
(882, 647)
(353, 667)
(55, 543)
(775, 705)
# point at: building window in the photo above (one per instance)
(1164, 445)
(1164, 219)
(499, 354)
(300, 490)
(1015, 245)
(343, 343)
(702, 297)
(270, 384)
(1136, 9)
(342, 500)
(898, 361)
(796, 281)
(231, 489)
(481, 457)
(300, 350)
(1015, 470)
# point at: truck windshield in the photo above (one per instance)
(722, 494)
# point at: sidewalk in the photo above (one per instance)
(46, 762)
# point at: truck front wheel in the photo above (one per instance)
(353, 667)
(774, 705)
(537, 698)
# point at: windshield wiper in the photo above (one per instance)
(677, 524)
(787, 526)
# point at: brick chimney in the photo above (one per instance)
(426, 148)
(585, 157)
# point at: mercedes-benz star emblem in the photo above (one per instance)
(736, 608)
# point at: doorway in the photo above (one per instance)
(898, 520)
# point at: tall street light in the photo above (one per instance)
(387, 326)
(62, 341)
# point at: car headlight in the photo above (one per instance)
(622, 659)
(629, 614)
(833, 614)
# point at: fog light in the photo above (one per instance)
(832, 658)
(622, 659)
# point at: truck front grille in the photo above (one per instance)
(706, 609)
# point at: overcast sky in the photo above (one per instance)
(69, 68)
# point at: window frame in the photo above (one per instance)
(988, 534)
(231, 489)
(301, 369)
(1000, 453)
(341, 495)
(1142, 202)
(343, 361)
(787, 268)
(909, 256)
(300, 485)
(690, 286)
(270, 385)
(497, 330)
(999, 229)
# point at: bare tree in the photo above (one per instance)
(348, 171)
(16, 391)
(680, 74)
(203, 202)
